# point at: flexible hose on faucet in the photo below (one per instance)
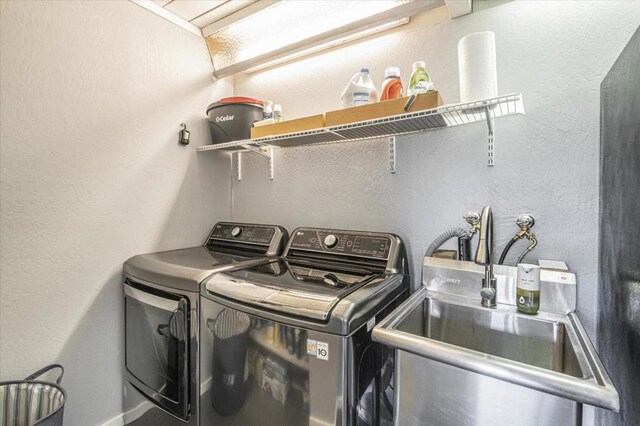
(506, 250)
(525, 222)
(534, 242)
(524, 253)
(443, 238)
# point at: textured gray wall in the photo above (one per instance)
(91, 173)
(555, 53)
(619, 296)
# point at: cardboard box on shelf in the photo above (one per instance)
(388, 108)
(288, 126)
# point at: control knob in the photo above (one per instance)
(236, 231)
(330, 241)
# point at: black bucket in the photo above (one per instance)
(231, 119)
(229, 369)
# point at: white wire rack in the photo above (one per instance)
(437, 118)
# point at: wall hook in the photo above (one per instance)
(184, 134)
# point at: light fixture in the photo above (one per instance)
(341, 39)
(289, 30)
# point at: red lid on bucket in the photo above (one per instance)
(241, 100)
(236, 100)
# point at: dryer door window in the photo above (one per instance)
(156, 351)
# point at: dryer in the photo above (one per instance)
(162, 308)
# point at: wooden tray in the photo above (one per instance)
(382, 109)
(288, 126)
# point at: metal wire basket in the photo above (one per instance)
(31, 402)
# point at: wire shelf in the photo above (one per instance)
(412, 122)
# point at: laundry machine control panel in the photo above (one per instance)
(242, 233)
(365, 244)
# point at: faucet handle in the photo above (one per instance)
(472, 218)
(525, 221)
(488, 293)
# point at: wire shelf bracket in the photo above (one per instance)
(392, 154)
(264, 151)
(490, 137)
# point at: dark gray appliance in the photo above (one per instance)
(619, 288)
(161, 318)
(307, 357)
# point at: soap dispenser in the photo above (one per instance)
(528, 288)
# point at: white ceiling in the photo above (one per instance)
(202, 13)
(213, 20)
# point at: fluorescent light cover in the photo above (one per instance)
(288, 27)
(330, 44)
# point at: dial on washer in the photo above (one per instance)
(330, 241)
(236, 231)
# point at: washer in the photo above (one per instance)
(289, 342)
(162, 293)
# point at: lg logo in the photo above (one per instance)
(225, 118)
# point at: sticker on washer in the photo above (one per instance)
(312, 347)
(318, 349)
(323, 351)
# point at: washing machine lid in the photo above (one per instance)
(183, 269)
(230, 245)
(300, 289)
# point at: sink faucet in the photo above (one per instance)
(483, 257)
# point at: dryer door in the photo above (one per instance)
(157, 349)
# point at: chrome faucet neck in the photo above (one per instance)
(485, 240)
(483, 257)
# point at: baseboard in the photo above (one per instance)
(130, 415)
(137, 412)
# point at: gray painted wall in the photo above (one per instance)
(555, 53)
(91, 173)
(619, 301)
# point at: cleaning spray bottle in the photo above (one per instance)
(392, 85)
(420, 83)
(420, 80)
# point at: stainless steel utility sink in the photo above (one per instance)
(501, 360)
(534, 341)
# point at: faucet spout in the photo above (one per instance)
(485, 240)
(483, 257)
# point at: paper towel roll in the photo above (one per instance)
(477, 66)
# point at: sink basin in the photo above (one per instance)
(474, 365)
(534, 341)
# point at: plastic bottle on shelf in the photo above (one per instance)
(271, 332)
(267, 113)
(277, 112)
(392, 85)
(278, 336)
(360, 90)
(420, 81)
